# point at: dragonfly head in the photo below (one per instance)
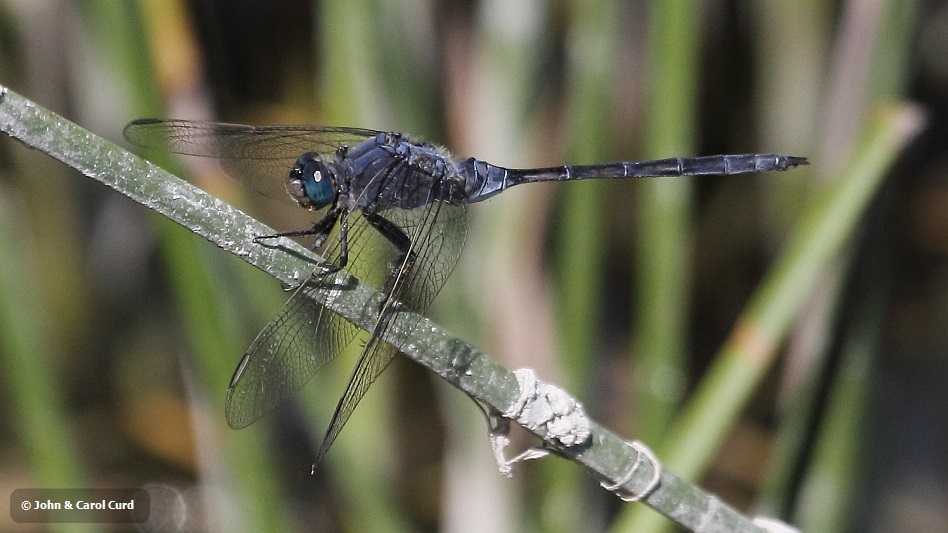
(311, 182)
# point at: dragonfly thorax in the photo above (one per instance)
(311, 182)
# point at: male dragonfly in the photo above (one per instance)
(394, 215)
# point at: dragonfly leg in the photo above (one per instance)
(343, 242)
(343, 259)
(403, 263)
(321, 230)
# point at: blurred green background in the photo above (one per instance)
(119, 331)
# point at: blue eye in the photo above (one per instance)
(318, 184)
(311, 183)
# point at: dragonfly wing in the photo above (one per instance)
(436, 234)
(223, 140)
(259, 157)
(375, 357)
(302, 337)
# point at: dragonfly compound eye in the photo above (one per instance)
(310, 182)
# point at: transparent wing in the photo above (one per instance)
(304, 335)
(437, 235)
(258, 157)
(291, 348)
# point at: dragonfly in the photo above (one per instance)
(393, 213)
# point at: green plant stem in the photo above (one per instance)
(30, 376)
(662, 267)
(751, 349)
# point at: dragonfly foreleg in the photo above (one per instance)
(321, 230)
